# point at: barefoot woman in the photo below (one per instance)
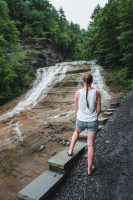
(87, 106)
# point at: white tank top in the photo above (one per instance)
(84, 113)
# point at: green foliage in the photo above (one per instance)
(14, 77)
(7, 167)
(110, 38)
(125, 97)
(125, 39)
(102, 36)
(121, 76)
(33, 19)
(95, 12)
(38, 18)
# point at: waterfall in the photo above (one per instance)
(18, 131)
(45, 80)
(98, 81)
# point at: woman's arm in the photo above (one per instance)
(76, 101)
(98, 97)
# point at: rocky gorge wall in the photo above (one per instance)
(41, 52)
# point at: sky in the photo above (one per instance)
(78, 11)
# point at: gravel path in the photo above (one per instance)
(113, 177)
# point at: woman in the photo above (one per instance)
(87, 106)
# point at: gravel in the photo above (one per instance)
(113, 177)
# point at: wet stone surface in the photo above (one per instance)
(113, 177)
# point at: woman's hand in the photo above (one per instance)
(98, 97)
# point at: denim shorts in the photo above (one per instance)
(90, 126)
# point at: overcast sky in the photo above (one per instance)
(78, 11)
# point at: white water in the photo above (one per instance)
(99, 81)
(44, 81)
(46, 78)
(18, 131)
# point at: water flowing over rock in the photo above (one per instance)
(44, 81)
(98, 81)
(19, 134)
(46, 78)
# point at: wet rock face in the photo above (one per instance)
(41, 52)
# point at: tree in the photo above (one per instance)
(38, 18)
(96, 10)
(125, 38)
(12, 68)
(102, 36)
(109, 38)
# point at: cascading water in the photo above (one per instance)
(98, 81)
(46, 78)
(44, 81)
(16, 128)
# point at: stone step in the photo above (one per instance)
(59, 92)
(41, 187)
(102, 120)
(110, 110)
(106, 114)
(114, 105)
(83, 135)
(75, 71)
(61, 162)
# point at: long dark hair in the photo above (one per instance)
(87, 79)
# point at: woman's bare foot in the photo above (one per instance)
(91, 170)
(69, 153)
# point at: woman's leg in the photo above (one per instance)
(73, 140)
(91, 150)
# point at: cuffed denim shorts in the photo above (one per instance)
(90, 126)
